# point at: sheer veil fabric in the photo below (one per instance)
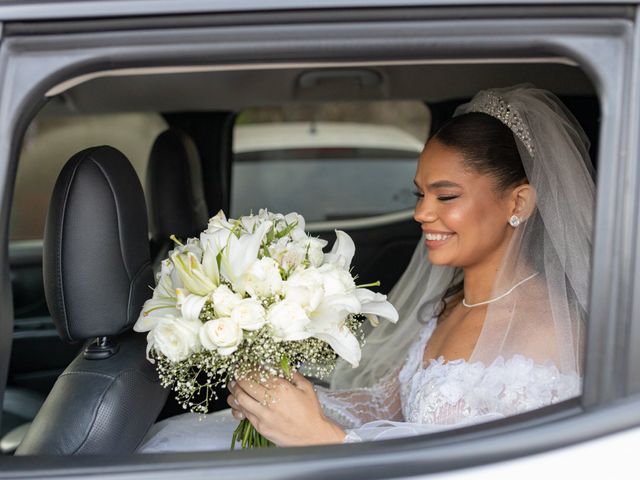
(542, 320)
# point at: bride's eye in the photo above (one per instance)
(418, 194)
(446, 198)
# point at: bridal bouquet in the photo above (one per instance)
(254, 296)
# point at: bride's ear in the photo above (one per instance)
(523, 201)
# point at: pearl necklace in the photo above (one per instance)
(471, 305)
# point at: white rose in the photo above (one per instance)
(292, 256)
(224, 300)
(288, 320)
(249, 314)
(175, 338)
(336, 280)
(262, 279)
(221, 334)
(277, 249)
(306, 288)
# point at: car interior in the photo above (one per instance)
(151, 154)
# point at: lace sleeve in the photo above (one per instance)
(352, 408)
(458, 394)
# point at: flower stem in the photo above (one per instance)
(248, 436)
(366, 285)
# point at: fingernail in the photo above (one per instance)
(235, 402)
(232, 384)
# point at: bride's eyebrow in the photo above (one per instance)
(443, 184)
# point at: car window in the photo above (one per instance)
(52, 139)
(329, 162)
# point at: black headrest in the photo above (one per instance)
(96, 248)
(174, 188)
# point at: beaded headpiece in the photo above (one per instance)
(494, 105)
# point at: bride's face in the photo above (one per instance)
(464, 219)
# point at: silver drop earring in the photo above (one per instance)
(514, 221)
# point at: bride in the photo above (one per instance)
(491, 312)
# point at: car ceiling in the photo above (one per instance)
(236, 89)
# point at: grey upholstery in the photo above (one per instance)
(175, 191)
(97, 276)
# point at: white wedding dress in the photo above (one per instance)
(414, 399)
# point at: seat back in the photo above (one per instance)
(97, 275)
(175, 191)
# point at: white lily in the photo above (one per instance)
(165, 286)
(328, 324)
(219, 222)
(210, 263)
(298, 233)
(376, 304)
(250, 222)
(190, 304)
(241, 253)
(342, 252)
(153, 311)
(217, 239)
(192, 274)
(161, 304)
(217, 233)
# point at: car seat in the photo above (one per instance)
(97, 275)
(175, 192)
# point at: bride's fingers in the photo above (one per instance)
(301, 382)
(255, 390)
(247, 403)
(237, 414)
(235, 407)
(232, 402)
(253, 419)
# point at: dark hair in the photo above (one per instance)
(487, 146)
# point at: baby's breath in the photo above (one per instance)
(196, 379)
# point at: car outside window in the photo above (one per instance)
(330, 162)
(52, 139)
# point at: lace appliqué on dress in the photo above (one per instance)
(417, 399)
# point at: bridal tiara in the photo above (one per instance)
(494, 105)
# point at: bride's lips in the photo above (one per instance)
(435, 239)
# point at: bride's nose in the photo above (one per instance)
(424, 211)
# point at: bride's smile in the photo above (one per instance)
(435, 239)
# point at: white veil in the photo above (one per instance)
(543, 319)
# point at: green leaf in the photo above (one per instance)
(284, 363)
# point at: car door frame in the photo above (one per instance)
(604, 44)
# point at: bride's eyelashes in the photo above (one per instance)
(447, 198)
(442, 197)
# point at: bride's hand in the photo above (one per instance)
(286, 412)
